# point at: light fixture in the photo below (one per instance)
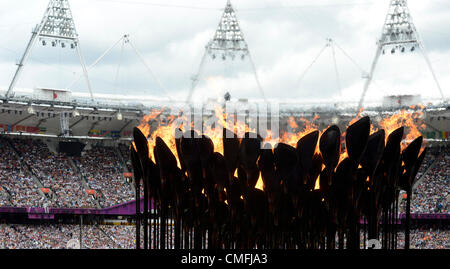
(76, 113)
(119, 116)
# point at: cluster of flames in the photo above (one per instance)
(411, 119)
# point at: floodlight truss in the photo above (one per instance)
(58, 27)
(228, 38)
(399, 28)
(399, 32)
(58, 24)
(228, 43)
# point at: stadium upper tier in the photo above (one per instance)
(100, 122)
(34, 174)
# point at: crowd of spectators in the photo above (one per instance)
(125, 152)
(56, 236)
(56, 172)
(423, 238)
(102, 169)
(17, 186)
(51, 236)
(25, 162)
(431, 195)
(430, 156)
(426, 238)
(125, 235)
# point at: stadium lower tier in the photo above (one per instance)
(35, 173)
(57, 236)
(32, 175)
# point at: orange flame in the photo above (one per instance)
(411, 120)
(292, 138)
(259, 183)
(317, 184)
(165, 132)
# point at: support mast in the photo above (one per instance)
(398, 34)
(57, 27)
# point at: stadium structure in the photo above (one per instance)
(66, 166)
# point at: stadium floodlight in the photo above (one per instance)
(57, 26)
(119, 116)
(398, 31)
(229, 41)
(76, 113)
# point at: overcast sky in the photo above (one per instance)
(284, 37)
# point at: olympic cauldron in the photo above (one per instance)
(204, 204)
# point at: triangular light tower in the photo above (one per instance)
(57, 28)
(399, 35)
(228, 42)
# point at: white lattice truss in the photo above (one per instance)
(58, 27)
(398, 34)
(398, 28)
(228, 38)
(228, 42)
(58, 21)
